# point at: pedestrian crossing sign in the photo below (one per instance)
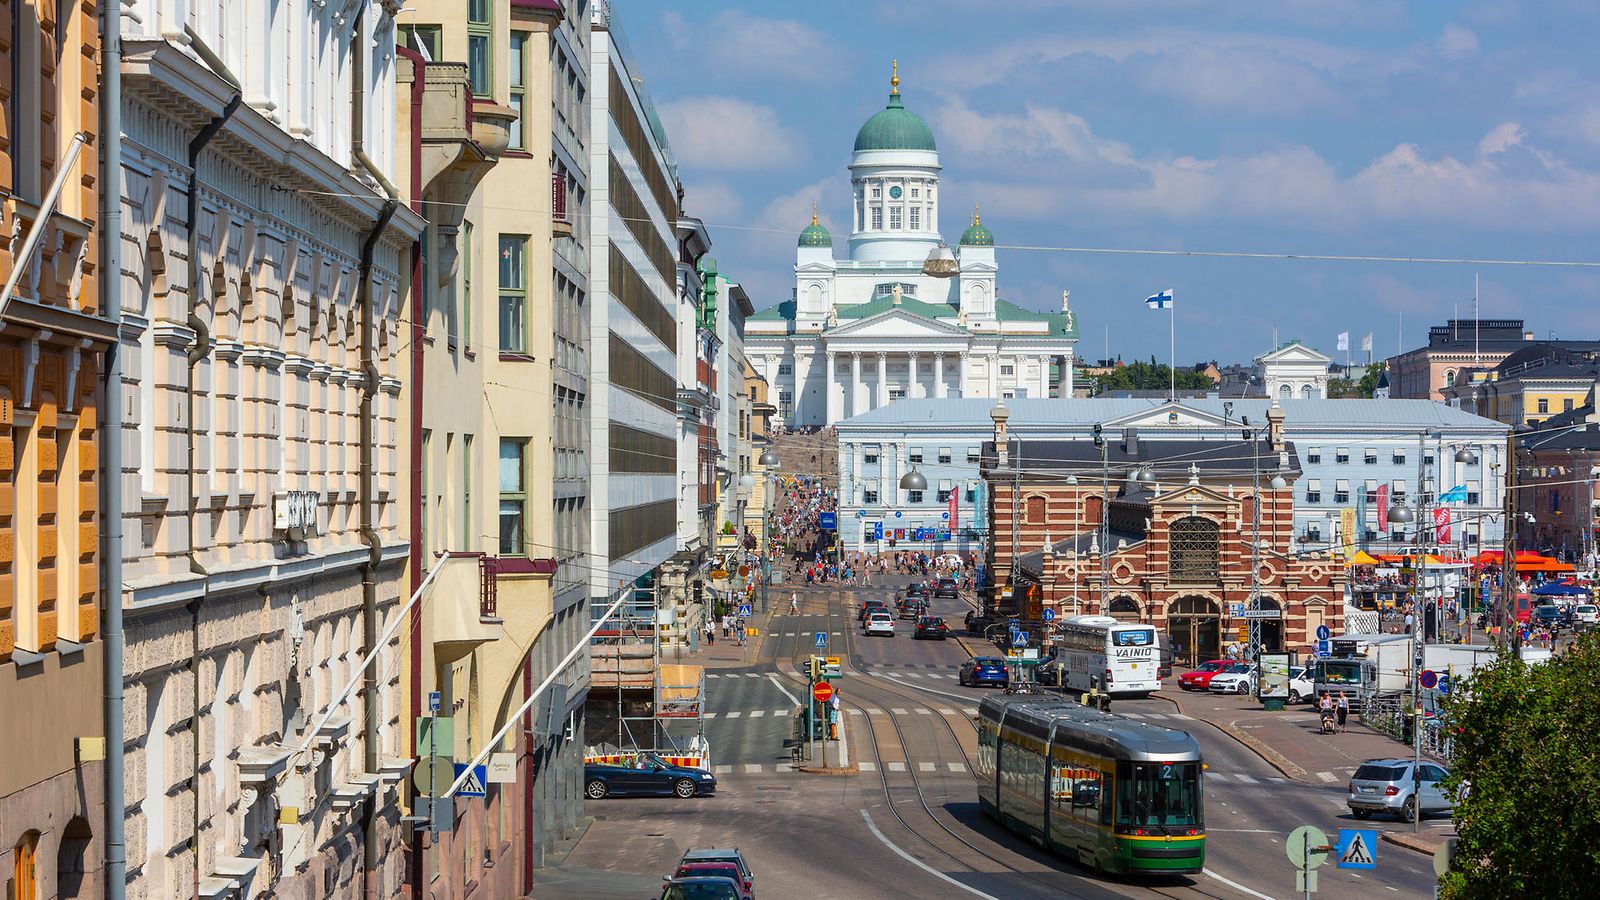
(1358, 848)
(477, 777)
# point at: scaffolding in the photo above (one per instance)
(654, 707)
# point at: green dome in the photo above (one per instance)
(977, 234)
(895, 128)
(815, 235)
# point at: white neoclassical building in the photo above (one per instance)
(864, 331)
(1293, 371)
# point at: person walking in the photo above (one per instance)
(794, 603)
(711, 633)
(1343, 709)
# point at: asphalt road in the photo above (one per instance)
(906, 823)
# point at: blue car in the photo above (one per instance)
(649, 776)
(983, 670)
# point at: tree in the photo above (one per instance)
(1527, 743)
(1349, 387)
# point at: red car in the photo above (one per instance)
(716, 869)
(1200, 678)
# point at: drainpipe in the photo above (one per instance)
(110, 226)
(202, 329)
(371, 702)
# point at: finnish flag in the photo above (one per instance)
(1162, 300)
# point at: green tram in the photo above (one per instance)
(1118, 795)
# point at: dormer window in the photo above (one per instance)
(877, 192)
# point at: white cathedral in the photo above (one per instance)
(864, 331)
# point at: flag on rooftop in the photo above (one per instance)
(1344, 340)
(1160, 300)
(1366, 342)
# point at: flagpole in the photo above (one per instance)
(1172, 343)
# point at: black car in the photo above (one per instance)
(930, 627)
(946, 588)
(650, 776)
(1549, 616)
(701, 889)
(912, 609)
(916, 589)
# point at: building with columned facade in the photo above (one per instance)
(872, 328)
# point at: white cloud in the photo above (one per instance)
(729, 134)
(1237, 79)
(793, 210)
(738, 43)
(713, 202)
(1500, 139)
(1456, 42)
(1039, 131)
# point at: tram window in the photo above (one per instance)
(1158, 794)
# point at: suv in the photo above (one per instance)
(723, 855)
(946, 587)
(880, 623)
(1550, 616)
(1585, 614)
(1386, 785)
(915, 589)
(930, 627)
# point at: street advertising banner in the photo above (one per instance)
(955, 509)
(1274, 676)
(1383, 507)
(1347, 532)
(1441, 524)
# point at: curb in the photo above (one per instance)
(1414, 844)
(1268, 755)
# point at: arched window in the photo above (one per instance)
(1195, 546)
(25, 868)
(1036, 511)
(1449, 377)
(1125, 608)
(1285, 391)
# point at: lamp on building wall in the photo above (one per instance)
(941, 262)
(1466, 456)
(747, 481)
(768, 459)
(1277, 483)
(913, 481)
(1401, 514)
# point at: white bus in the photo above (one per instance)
(1099, 652)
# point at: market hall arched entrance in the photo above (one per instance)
(1271, 629)
(1195, 626)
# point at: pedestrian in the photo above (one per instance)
(1343, 709)
(711, 633)
(794, 603)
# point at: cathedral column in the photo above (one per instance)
(855, 384)
(938, 376)
(829, 391)
(1066, 375)
(1044, 376)
(911, 378)
(961, 373)
(882, 387)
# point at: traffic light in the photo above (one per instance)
(699, 591)
(1099, 436)
(813, 667)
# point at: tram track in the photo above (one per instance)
(991, 866)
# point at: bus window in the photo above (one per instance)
(1134, 637)
(1159, 794)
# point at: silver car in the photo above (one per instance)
(1387, 785)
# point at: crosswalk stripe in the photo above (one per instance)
(711, 715)
(752, 768)
(712, 675)
(893, 675)
(970, 710)
(856, 712)
(867, 767)
(724, 770)
(779, 713)
(1327, 776)
(957, 767)
(898, 712)
(735, 714)
(946, 711)
(1244, 778)
(757, 713)
(924, 711)
(1154, 716)
(897, 767)
(874, 711)
(1217, 775)
(1277, 780)
(1183, 717)
(929, 767)
(1128, 715)
(752, 674)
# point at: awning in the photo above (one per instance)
(1363, 558)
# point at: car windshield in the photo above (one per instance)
(1238, 668)
(989, 661)
(701, 890)
(1213, 666)
(1158, 793)
(1379, 772)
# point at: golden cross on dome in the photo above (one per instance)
(894, 82)
(813, 212)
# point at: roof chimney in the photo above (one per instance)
(1275, 426)
(1130, 441)
(1527, 335)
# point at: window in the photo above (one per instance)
(945, 487)
(1427, 458)
(1370, 456)
(1342, 456)
(870, 458)
(915, 193)
(1008, 369)
(1008, 394)
(897, 393)
(1313, 490)
(1036, 511)
(894, 218)
(915, 216)
(1196, 546)
(424, 39)
(785, 368)
(517, 70)
(1370, 489)
(944, 455)
(877, 218)
(1474, 497)
(513, 496)
(913, 496)
(1341, 491)
(915, 455)
(1399, 457)
(1566, 405)
(869, 496)
(1313, 455)
(972, 454)
(513, 293)
(1314, 531)
(1285, 392)
(1397, 492)
(1427, 490)
(877, 192)
(25, 868)
(468, 535)
(468, 252)
(972, 493)
(480, 32)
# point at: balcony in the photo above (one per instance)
(474, 595)
(560, 221)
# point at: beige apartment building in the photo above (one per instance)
(499, 370)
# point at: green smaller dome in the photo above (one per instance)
(815, 235)
(976, 235)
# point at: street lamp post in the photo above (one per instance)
(1077, 516)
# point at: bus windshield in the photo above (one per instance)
(1338, 671)
(1159, 794)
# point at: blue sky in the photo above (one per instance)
(1341, 127)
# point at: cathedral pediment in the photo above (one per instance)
(1169, 415)
(897, 324)
(1294, 352)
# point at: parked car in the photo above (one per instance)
(1387, 785)
(1200, 678)
(946, 587)
(931, 627)
(869, 607)
(880, 623)
(650, 775)
(715, 869)
(1238, 678)
(1586, 614)
(1548, 616)
(723, 855)
(983, 670)
(1300, 686)
(714, 888)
